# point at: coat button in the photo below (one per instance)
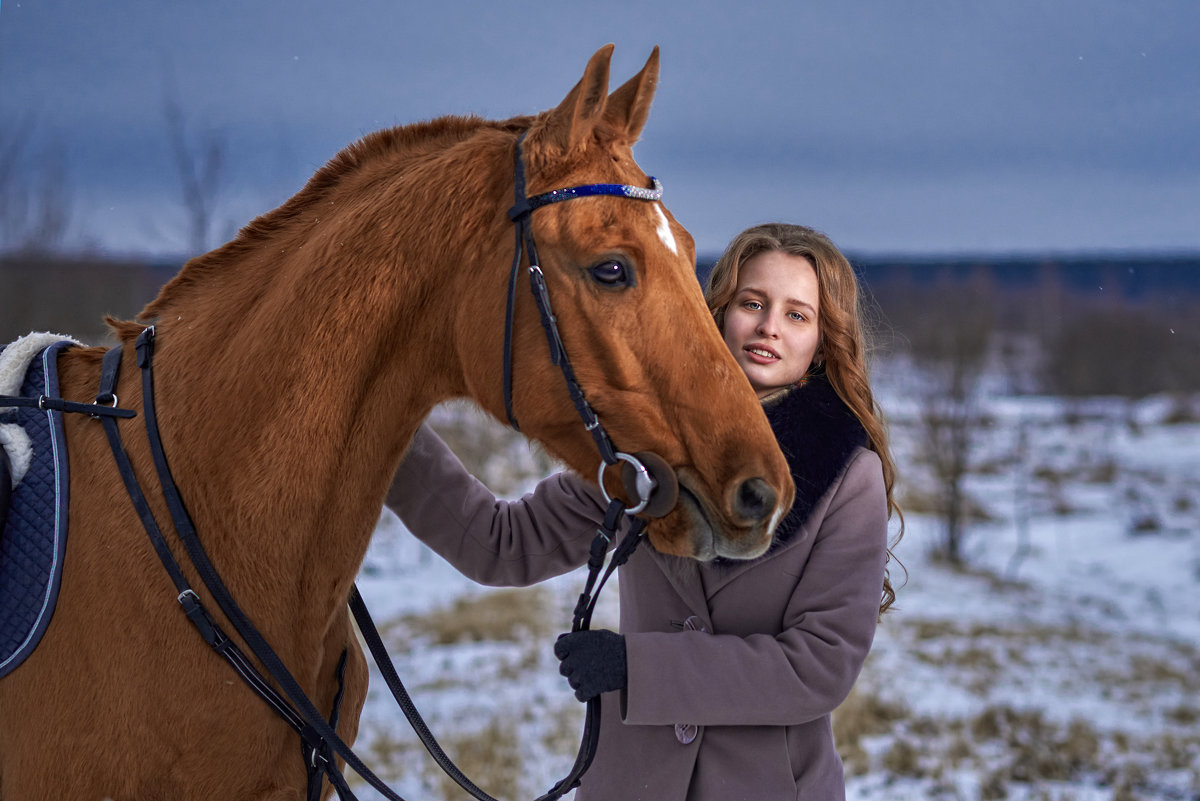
(686, 732)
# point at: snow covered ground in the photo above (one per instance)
(1063, 662)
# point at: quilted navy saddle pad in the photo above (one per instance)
(34, 539)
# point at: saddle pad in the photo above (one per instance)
(34, 539)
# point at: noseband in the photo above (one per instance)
(521, 215)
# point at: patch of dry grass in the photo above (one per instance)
(491, 758)
(389, 757)
(861, 715)
(904, 759)
(1023, 752)
(510, 615)
(562, 737)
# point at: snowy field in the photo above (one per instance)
(1063, 661)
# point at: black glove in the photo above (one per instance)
(592, 661)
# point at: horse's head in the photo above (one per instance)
(620, 274)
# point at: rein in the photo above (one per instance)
(644, 475)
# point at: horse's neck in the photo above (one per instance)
(286, 404)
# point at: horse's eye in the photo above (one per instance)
(611, 272)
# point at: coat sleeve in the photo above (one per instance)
(804, 672)
(496, 542)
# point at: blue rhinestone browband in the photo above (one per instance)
(624, 190)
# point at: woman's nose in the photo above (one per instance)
(766, 326)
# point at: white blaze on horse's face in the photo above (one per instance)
(664, 230)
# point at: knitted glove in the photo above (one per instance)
(592, 661)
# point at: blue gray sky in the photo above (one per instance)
(918, 127)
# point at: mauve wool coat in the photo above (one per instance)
(734, 667)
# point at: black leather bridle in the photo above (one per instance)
(646, 477)
(641, 481)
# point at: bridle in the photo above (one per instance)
(647, 478)
(521, 214)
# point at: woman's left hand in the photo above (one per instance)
(592, 661)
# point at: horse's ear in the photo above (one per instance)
(570, 125)
(629, 106)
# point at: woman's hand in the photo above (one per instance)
(592, 661)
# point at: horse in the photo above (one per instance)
(293, 365)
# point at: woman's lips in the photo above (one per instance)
(760, 354)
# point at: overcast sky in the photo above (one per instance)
(896, 127)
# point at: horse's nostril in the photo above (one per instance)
(754, 500)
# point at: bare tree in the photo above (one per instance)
(200, 161)
(13, 141)
(35, 208)
(950, 342)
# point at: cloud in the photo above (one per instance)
(796, 110)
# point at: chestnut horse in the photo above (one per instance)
(294, 364)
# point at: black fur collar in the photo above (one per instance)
(817, 433)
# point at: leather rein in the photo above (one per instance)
(320, 742)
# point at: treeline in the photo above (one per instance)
(1128, 327)
(1117, 326)
(71, 295)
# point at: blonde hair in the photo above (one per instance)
(842, 346)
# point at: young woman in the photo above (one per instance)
(723, 679)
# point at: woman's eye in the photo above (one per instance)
(797, 316)
(753, 305)
(611, 273)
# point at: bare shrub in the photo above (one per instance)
(35, 207)
(200, 161)
(950, 342)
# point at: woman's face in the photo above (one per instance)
(771, 325)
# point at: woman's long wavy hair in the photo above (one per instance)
(843, 344)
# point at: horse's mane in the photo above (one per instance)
(396, 146)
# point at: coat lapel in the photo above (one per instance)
(684, 576)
